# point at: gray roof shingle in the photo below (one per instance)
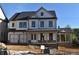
(27, 14)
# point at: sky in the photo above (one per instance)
(67, 13)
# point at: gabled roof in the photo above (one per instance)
(14, 16)
(66, 30)
(50, 12)
(41, 8)
(29, 14)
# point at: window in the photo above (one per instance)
(22, 24)
(41, 23)
(33, 23)
(12, 24)
(50, 23)
(33, 36)
(42, 13)
(50, 36)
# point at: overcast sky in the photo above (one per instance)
(67, 14)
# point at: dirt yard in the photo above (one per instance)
(38, 50)
(23, 48)
(71, 50)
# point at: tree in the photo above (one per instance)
(76, 32)
(68, 32)
(67, 26)
(74, 37)
(58, 27)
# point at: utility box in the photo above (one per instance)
(53, 51)
(46, 51)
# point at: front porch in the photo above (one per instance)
(32, 37)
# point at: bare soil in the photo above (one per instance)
(23, 48)
(72, 50)
(38, 50)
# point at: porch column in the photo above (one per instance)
(54, 36)
(65, 37)
(18, 38)
(23, 37)
(71, 37)
(38, 36)
(60, 37)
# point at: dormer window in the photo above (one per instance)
(42, 13)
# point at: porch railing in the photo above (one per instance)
(44, 42)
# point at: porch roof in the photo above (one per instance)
(32, 30)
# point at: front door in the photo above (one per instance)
(50, 36)
(42, 36)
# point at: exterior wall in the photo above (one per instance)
(54, 36)
(10, 24)
(3, 26)
(55, 23)
(3, 32)
(29, 24)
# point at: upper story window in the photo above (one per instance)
(42, 13)
(50, 23)
(12, 24)
(33, 23)
(22, 24)
(41, 23)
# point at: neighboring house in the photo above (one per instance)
(65, 35)
(3, 26)
(33, 27)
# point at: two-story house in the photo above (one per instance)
(33, 27)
